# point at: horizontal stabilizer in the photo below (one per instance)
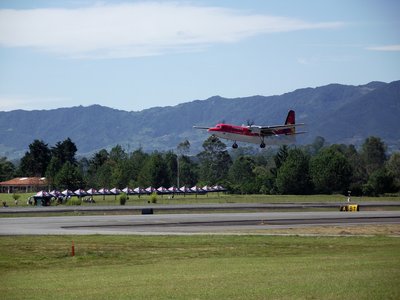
(296, 133)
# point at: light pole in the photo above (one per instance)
(177, 166)
(183, 148)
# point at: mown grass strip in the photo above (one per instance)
(210, 198)
(200, 267)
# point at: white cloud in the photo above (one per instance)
(319, 59)
(137, 29)
(10, 102)
(385, 48)
(303, 61)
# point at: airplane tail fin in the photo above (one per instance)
(290, 120)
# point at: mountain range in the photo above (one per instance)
(339, 113)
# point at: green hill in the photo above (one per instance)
(339, 113)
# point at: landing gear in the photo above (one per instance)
(262, 144)
(234, 146)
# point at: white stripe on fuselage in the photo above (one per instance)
(268, 140)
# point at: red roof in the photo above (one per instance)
(25, 181)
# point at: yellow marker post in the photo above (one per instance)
(350, 207)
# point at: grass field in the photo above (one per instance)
(212, 198)
(200, 267)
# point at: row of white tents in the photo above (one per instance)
(129, 191)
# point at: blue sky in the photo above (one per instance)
(134, 55)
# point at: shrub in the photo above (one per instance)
(122, 199)
(16, 196)
(153, 198)
(74, 201)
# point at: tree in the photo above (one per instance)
(135, 163)
(241, 176)
(61, 153)
(359, 174)
(117, 154)
(36, 160)
(154, 172)
(7, 169)
(119, 167)
(184, 148)
(52, 169)
(373, 153)
(98, 159)
(65, 152)
(379, 182)
(117, 175)
(330, 171)
(187, 171)
(214, 161)
(280, 158)
(96, 162)
(316, 146)
(83, 166)
(171, 161)
(187, 168)
(103, 175)
(393, 167)
(68, 177)
(293, 176)
(264, 180)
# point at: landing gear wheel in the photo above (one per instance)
(234, 146)
(262, 145)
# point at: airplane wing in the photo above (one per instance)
(201, 127)
(276, 129)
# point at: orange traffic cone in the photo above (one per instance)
(73, 249)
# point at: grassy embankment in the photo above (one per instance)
(201, 267)
(210, 198)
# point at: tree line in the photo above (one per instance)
(314, 168)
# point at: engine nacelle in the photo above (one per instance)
(255, 129)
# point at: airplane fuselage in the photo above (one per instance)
(244, 134)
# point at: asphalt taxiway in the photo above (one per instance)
(194, 207)
(187, 223)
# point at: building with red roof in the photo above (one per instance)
(24, 185)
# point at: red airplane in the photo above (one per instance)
(263, 135)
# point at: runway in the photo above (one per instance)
(187, 223)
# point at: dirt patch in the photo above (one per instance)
(382, 229)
